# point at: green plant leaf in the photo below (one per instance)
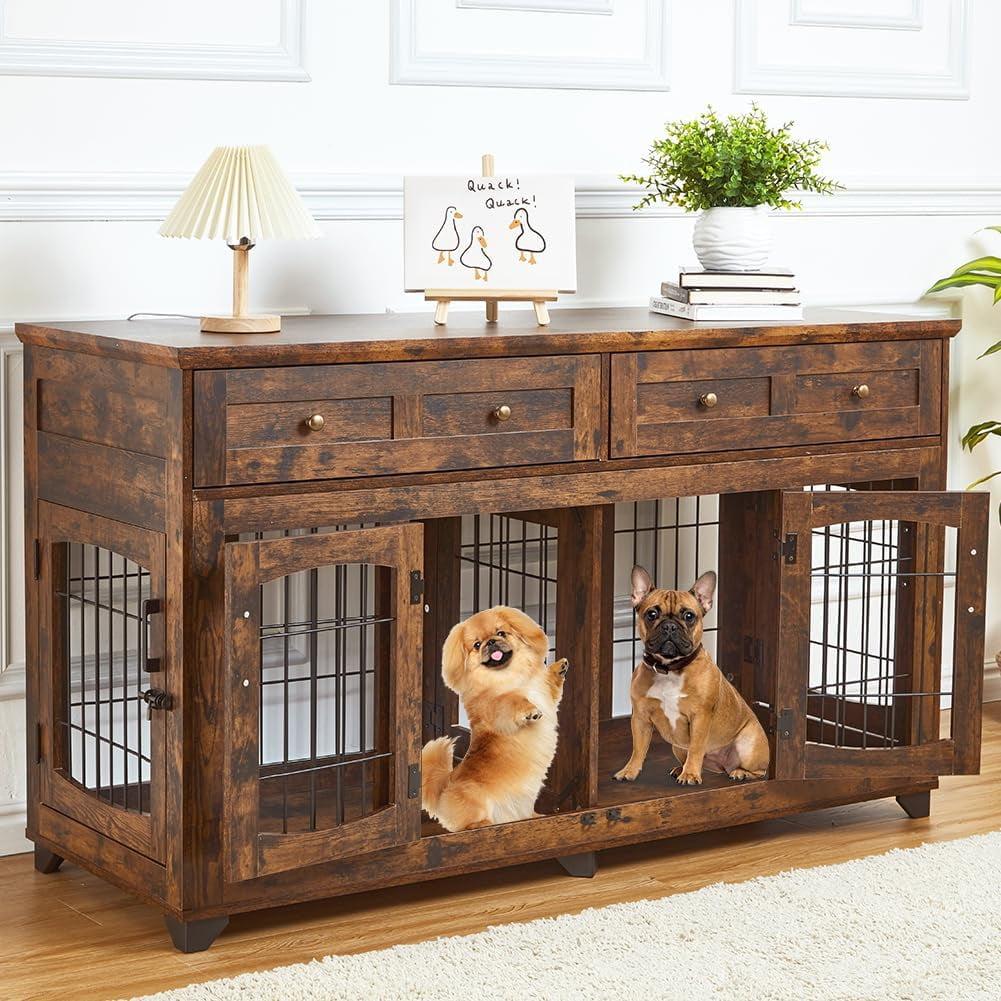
(994, 348)
(961, 281)
(997, 229)
(978, 432)
(984, 479)
(992, 264)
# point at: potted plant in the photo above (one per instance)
(733, 171)
(981, 271)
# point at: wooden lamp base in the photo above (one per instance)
(267, 323)
(241, 322)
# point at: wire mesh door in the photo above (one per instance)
(105, 688)
(882, 629)
(323, 696)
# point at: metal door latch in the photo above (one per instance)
(156, 698)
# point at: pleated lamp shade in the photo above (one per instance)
(241, 194)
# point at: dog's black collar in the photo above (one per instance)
(675, 665)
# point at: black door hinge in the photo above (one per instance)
(788, 548)
(782, 724)
(413, 781)
(416, 587)
(37, 568)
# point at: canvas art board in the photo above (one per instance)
(512, 231)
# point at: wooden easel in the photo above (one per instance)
(445, 296)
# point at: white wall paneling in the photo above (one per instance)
(81, 198)
(907, 15)
(184, 39)
(803, 50)
(122, 197)
(537, 6)
(490, 44)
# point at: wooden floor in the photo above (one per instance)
(71, 936)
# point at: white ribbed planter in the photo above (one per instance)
(733, 239)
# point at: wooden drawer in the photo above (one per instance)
(395, 417)
(773, 396)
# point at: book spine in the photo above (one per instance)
(675, 292)
(671, 308)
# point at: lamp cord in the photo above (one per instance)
(183, 316)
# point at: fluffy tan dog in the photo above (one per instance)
(496, 662)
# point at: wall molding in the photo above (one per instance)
(832, 17)
(150, 60)
(11, 675)
(535, 6)
(141, 197)
(409, 64)
(751, 76)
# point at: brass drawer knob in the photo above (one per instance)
(502, 413)
(315, 422)
(708, 400)
(860, 391)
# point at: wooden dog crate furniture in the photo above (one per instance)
(245, 553)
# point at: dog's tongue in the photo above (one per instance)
(497, 655)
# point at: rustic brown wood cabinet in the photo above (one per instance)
(245, 552)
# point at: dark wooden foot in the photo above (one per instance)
(46, 861)
(194, 936)
(584, 865)
(916, 804)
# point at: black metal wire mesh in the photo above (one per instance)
(675, 540)
(863, 691)
(325, 752)
(104, 724)
(509, 561)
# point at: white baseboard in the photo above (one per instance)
(13, 817)
(992, 681)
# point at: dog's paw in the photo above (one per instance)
(688, 778)
(742, 775)
(626, 775)
(532, 715)
(561, 667)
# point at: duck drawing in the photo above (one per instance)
(475, 255)
(529, 240)
(446, 239)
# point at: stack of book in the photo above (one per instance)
(730, 295)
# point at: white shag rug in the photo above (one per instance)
(914, 925)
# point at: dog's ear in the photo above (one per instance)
(527, 628)
(705, 590)
(641, 583)
(453, 657)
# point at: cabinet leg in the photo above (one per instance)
(583, 866)
(46, 861)
(194, 936)
(916, 804)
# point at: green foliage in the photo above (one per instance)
(984, 271)
(736, 161)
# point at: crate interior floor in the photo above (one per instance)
(304, 801)
(655, 781)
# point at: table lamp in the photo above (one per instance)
(242, 196)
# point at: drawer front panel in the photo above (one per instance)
(254, 425)
(671, 402)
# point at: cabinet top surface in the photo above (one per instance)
(307, 340)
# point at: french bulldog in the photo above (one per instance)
(678, 690)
